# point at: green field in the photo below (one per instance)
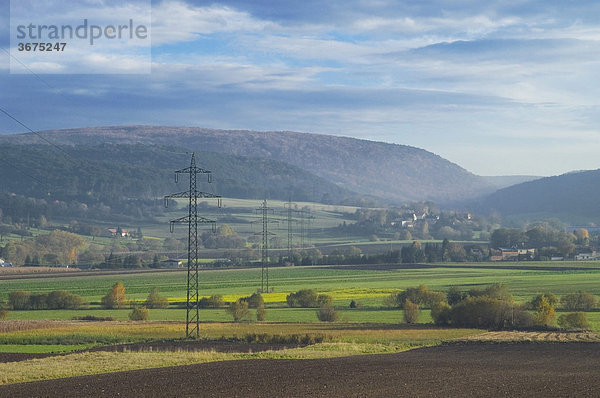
(371, 328)
(343, 283)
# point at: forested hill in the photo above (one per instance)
(105, 173)
(396, 172)
(572, 197)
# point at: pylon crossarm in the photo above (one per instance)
(194, 169)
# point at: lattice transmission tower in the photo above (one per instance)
(289, 212)
(192, 328)
(264, 211)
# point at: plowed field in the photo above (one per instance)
(455, 370)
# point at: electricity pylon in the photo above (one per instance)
(290, 236)
(264, 210)
(192, 327)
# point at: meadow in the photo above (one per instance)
(343, 283)
(370, 328)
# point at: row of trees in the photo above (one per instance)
(547, 240)
(492, 307)
(56, 300)
(58, 247)
(116, 298)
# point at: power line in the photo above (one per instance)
(36, 133)
(23, 172)
(29, 70)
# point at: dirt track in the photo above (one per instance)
(457, 370)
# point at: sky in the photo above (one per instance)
(498, 87)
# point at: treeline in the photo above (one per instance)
(122, 181)
(548, 241)
(58, 247)
(56, 300)
(23, 211)
(492, 307)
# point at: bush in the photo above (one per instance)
(239, 310)
(391, 301)
(155, 300)
(580, 300)
(37, 302)
(56, 300)
(497, 291)
(305, 298)
(411, 311)
(139, 314)
(550, 297)
(3, 313)
(440, 313)
(324, 299)
(255, 300)
(489, 313)
(61, 299)
(306, 339)
(261, 313)
(327, 313)
(214, 301)
(573, 320)
(420, 295)
(115, 298)
(93, 318)
(19, 299)
(455, 295)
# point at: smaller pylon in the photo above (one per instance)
(264, 210)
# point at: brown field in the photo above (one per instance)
(512, 336)
(453, 370)
(16, 325)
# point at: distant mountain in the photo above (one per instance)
(499, 182)
(104, 173)
(397, 173)
(572, 197)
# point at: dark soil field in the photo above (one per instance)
(455, 370)
(17, 357)
(187, 345)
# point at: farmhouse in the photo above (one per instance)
(593, 255)
(117, 232)
(4, 263)
(172, 263)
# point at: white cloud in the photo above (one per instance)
(175, 21)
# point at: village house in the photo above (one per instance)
(172, 263)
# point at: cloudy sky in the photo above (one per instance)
(499, 87)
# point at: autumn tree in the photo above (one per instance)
(544, 312)
(261, 312)
(239, 310)
(411, 312)
(115, 298)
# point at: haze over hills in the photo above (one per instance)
(397, 173)
(103, 173)
(572, 197)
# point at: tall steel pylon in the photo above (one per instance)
(264, 211)
(290, 236)
(192, 327)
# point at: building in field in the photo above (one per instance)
(172, 263)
